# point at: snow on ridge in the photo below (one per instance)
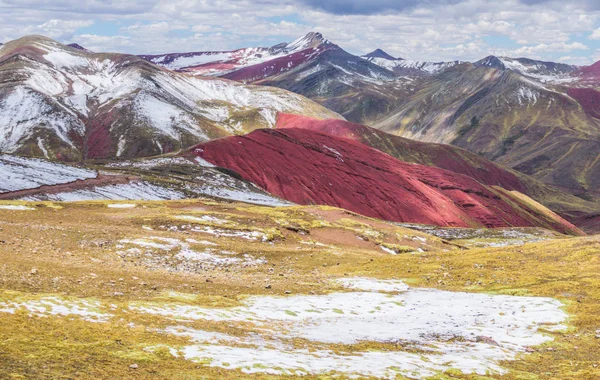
(428, 67)
(65, 60)
(128, 192)
(23, 112)
(528, 95)
(192, 60)
(19, 173)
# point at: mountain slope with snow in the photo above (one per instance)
(70, 104)
(404, 67)
(515, 120)
(545, 72)
(253, 59)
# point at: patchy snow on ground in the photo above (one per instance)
(438, 330)
(372, 285)
(248, 235)
(201, 219)
(16, 207)
(179, 255)
(246, 195)
(388, 250)
(485, 237)
(20, 173)
(88, 310)
(121, 205)
(151, 163)
(129, 191)
(466, 331)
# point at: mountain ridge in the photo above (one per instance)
(83, 105)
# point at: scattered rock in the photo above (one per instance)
(486, 339)
(288, 292)
(268, 286)
(118, 294)
(134, 366)
(33, 271)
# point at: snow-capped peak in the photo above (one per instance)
(310, 40)
(541, 70)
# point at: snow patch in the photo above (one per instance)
(19, 173)
(16, 208)
(45, 306)
(447, 327)
(120, 192)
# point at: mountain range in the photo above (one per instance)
(67, 103)
(539, 118)
(498, 126)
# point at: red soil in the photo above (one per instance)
(309, 167)
(442, 156)
(588, 98)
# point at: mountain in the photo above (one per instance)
(404, 67)
(456, 160)
(71, 104)
(308, 167)
(539, 118)
(515, 120)
(378, 53)
(540, 70)
(441, 156)
(311, 65)
(248, 64)
(77, 46)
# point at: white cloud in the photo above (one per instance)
(595, 35)
(437, 30)
(556, 47)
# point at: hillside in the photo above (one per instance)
(162, 178)
(451, 158)
(537, 117)
(535, 128)
(312, 66)
(308, 167)
(70, 104)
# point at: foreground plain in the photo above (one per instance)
(89, 289)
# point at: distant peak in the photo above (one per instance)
(310, 40)
(491, 61)
(77, 46)
(314, 36)
(378, 53)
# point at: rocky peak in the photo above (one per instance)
(378, 53)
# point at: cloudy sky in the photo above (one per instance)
(564, 30)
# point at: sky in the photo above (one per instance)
(564, 31)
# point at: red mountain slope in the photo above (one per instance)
(588, 98)
(309, 167)
(439, 155)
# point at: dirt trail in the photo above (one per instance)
(101, 180)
